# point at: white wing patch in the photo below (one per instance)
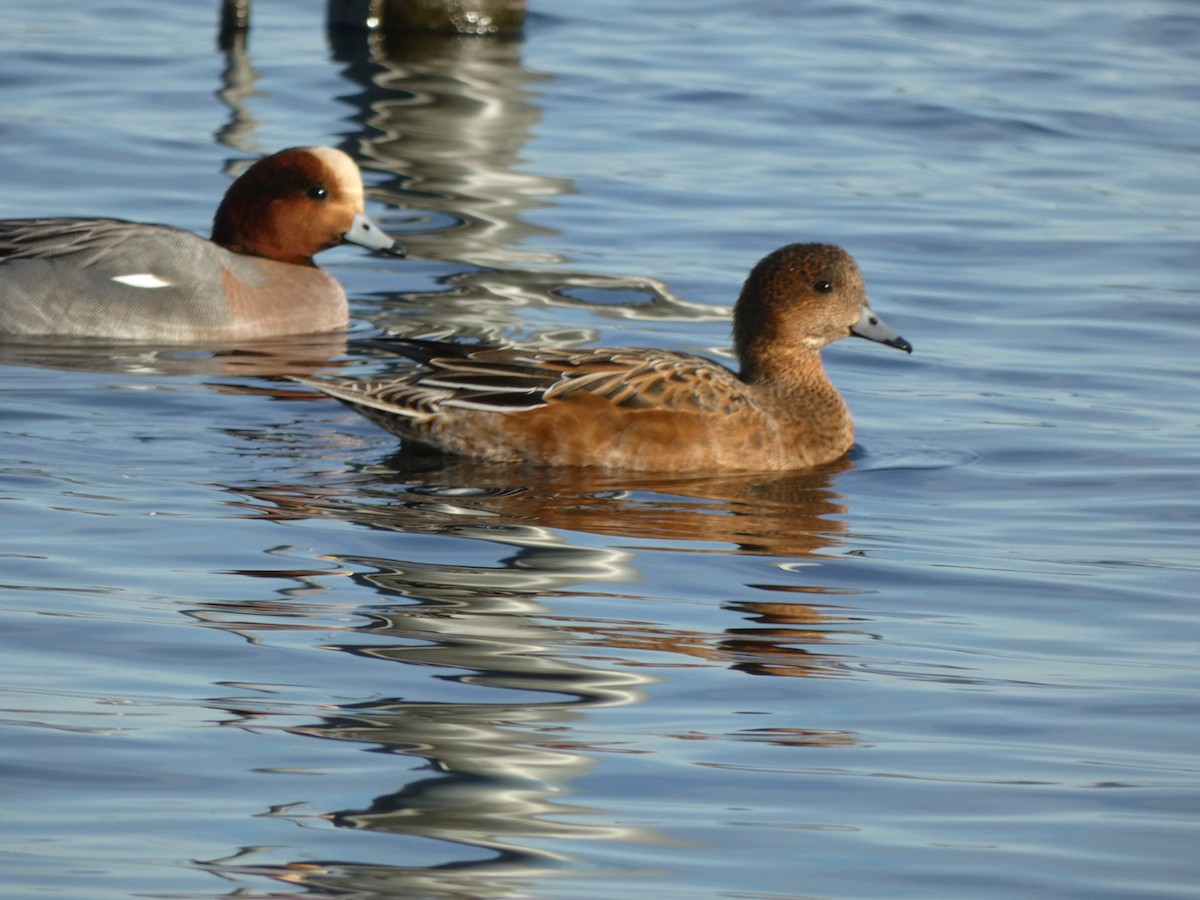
(142, 280)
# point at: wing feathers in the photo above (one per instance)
(500, 380)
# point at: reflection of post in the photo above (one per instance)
(449, 115)
(447, 16)
(501, 766)
(239, 77)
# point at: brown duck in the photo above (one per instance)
(645, 409)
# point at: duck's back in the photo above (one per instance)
(109, 278)
(629, 408)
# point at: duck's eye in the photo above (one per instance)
(822, 287)
(317, 192)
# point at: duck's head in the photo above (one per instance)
(293, 204)
(804, 296)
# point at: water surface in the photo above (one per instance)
(252, 646)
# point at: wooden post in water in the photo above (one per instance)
(235, 21)
(436, 16)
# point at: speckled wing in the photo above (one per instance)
(377, 399)
(510, 380)
(460, 376)
(114, 250)
(655, 379)
(88, 241)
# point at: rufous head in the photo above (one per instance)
(293, 204)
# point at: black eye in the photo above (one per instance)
(822, 287)
(317, 192)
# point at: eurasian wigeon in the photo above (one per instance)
(649, 410)
(109, 278)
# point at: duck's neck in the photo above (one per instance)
(801, 392)
(253, 230)
(796, 369)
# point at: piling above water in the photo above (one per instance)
(441, 16)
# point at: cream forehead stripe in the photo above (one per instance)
(344, 171)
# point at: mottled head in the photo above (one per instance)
(803, 296)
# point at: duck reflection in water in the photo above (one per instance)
(503, 765)
(790, 516)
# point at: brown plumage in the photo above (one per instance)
(646, 409)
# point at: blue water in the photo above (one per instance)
(249, 646)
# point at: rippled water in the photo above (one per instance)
(252, 648)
